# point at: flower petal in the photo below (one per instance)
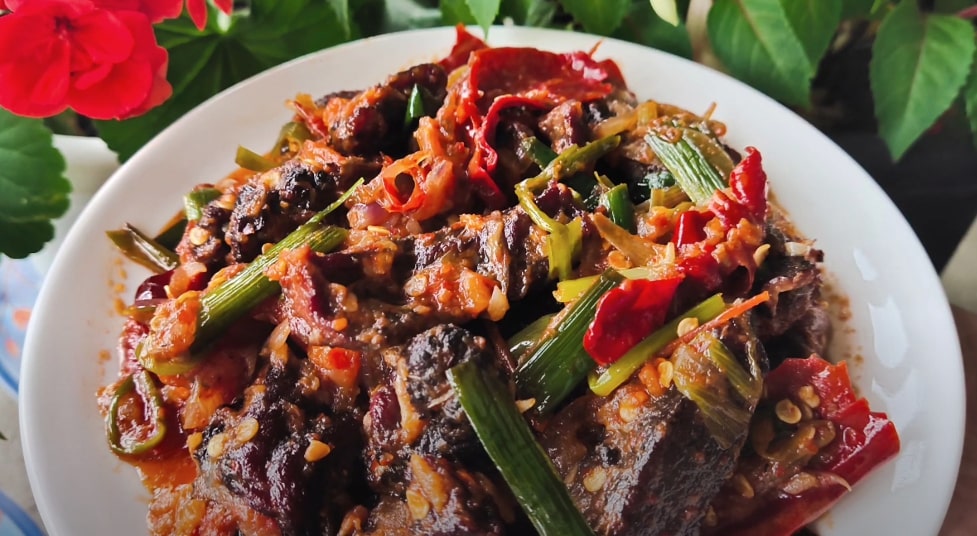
(156, 10)
(198, 12)
(124, 88)
(102, 36)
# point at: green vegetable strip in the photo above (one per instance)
(538, 151)
(564, 239)
(571, 289)
(142, 249)
(559, 363)
(527, 337)
(195, 201)
(291, 131)
(145, 386)
(620, 208)
(235, 297)
(690, 168)
(415, 106)
(249, 159)
(170, 237)
(622, 369)
(747, 384)
(510, 444)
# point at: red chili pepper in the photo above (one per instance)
(502, 78)
(627, 314)
(863, 440)
(465, 44)
(689, 227)
(748, 184)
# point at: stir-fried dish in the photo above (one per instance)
(495, 294)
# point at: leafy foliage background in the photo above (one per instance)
(922, 62)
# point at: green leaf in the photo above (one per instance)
(202, 63)
(814, 22)
(951, 6)
(456, 11)
(667, 10)
(341, 10)
(774, 45)
(642, 26)
(33, 190)
(598, 16)
(919, 64)
(20, 239)
(970, 100)
(856, 9)
(529, 12)
(484, 12)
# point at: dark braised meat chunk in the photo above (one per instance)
(795, 322)
(280, 455)
(373, 120)
(638, 462)
(418, 413)
(207, 245)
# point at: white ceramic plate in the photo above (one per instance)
(903, 328)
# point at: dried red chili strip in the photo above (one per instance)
(626, 315)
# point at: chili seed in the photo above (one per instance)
(316, 451)
(417, 504)
(246, 430)
(788, 412)
(687, 325)
(525, 405)
(595, 479)
(808, 396)
(760, 254)
(742, 486)
(800, 483)
(215, 447)
(199, 236)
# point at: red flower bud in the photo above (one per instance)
(74, 53)
(198, 10)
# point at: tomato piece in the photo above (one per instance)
(626, 315)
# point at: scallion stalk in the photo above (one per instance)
(604, 384)
(690, 167)
(251, 160)
(139, 247)
(232, 299)
(195, 201)
(559, 362)
(509, 442)
(619, 206)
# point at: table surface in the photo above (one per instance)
(961, 519)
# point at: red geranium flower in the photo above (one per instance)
(74, 53)
(156, 10)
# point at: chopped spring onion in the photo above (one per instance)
(172, 232)
(415, 106)
(538, 151)
(143, 384)
(526, 338)
(139, 247)
(698, 366)
(619, 206)
(571, 289)
(622, 369)
(195, 201)
(559, 362)
(229, 301)
(509, 442)
(563, 241)
(688, 163)
(251, 160)
(291, 133)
